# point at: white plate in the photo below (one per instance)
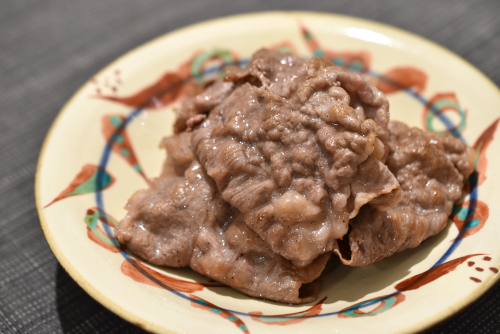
(446, 92)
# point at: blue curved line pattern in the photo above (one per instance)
(433, 109)
(473, 182)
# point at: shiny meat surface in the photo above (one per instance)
(431, 169)
(200, 99)
(297, 148)
(163, 221)
(182, 221)
(180, 154)
(235, 255)
(280, 164)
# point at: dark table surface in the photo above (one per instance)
(48, 49)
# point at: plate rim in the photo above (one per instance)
(136, 320)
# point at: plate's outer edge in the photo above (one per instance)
(65, 263)
(151, 327)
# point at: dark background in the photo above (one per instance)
(48, 49)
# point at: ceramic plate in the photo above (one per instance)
(103, 146)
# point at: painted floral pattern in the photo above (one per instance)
(85, 182)
(113, 126)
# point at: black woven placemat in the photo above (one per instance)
(48, 49)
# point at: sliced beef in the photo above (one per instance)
(163, 221)
(282, 163)
(235, 255)
(200, 99)
(182, 221)
(180, 154)
(431, 169)
(297, 148)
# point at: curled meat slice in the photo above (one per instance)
(431, 169)
(199, 99)
(235, 255)
(163, 221)
(280, 73)
(297, 148)
(182, 221)
(180, 155)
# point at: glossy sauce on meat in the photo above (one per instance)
(181, 220)
(282, 163)
(431, 169)
(297, 148)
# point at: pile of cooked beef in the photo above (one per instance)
(281, 164)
